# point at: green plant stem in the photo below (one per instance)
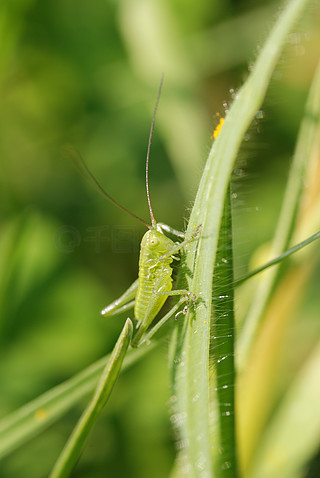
(278, 259)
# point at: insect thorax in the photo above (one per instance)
(155, 244)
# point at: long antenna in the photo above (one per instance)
(83, 168)
(153, 221)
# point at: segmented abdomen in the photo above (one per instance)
(152, 279)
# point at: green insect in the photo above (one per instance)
(154, 284)
(157, 252)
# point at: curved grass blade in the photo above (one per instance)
(287, 217)
(74, 445)
(36, 416)
(191, 358)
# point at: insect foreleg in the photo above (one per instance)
(181, 245)
(123, 303)
(170, 230)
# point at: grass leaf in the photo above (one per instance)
(191, 359)
(36, 416)
(74, 445)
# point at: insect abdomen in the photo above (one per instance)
(154, 276)
(148, 301)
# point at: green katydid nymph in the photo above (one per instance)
(149, 292)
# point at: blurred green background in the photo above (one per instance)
(86, 74)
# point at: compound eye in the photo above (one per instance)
(153, 241)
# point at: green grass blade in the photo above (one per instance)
(74, 445)
(36, 416)
(282, 237)
(278, 259)
(191, 361)
(222, 345)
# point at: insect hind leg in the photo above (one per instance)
(123, 303)
(187, 296)
(172, 312)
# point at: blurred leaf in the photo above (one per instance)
(34, 417)
(29, 258)
(275, 306)
(297, 415)
(86, 73)
(307, 136)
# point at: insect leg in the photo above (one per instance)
(170, 230)
(139, 340)
(181, 245)
(184, 292)
(123, 303)
(115, 311)
(187, 296)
